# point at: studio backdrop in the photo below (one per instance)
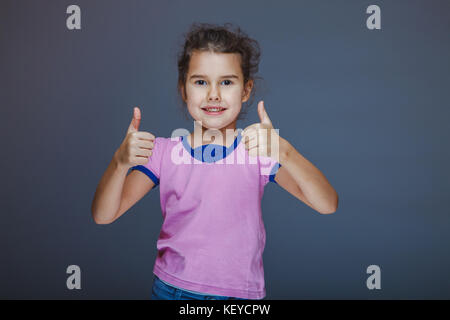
(360, 88)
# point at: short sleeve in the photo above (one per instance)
(268, 169)
(152, 168)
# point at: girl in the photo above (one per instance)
(212, 238)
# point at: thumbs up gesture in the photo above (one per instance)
(137, 146)
(258, 135)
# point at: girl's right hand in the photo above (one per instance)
(137, 145)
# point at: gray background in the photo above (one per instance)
(369, 108)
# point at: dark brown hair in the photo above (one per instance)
(219, 39)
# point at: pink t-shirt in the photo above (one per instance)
(212, 237)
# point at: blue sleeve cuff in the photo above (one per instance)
(149, 174)
(274, 172)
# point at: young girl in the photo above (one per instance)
(212, 238)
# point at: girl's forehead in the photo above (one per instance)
(207, 62)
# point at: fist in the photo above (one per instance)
(258, 136)
(137, 146)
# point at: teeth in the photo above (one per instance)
(213, 109)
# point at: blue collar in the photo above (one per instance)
(211, 152)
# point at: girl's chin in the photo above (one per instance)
(214, 125)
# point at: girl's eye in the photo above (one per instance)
(198, 81)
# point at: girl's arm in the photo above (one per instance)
(117, 192)
(297, 175)
(304, 181)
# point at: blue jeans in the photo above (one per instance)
(163, 291)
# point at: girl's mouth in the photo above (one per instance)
(214, 110)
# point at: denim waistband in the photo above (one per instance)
(196, 292)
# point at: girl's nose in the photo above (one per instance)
(214, 94)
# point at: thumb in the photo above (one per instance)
(263, 116)
(134, 125)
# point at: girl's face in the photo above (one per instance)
(215, 79)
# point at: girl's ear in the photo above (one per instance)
(247, 90)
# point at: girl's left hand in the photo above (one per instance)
(259, 135)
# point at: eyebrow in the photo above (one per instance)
(204, 76)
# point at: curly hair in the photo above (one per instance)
(219, 39)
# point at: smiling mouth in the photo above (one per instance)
(214, 110)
